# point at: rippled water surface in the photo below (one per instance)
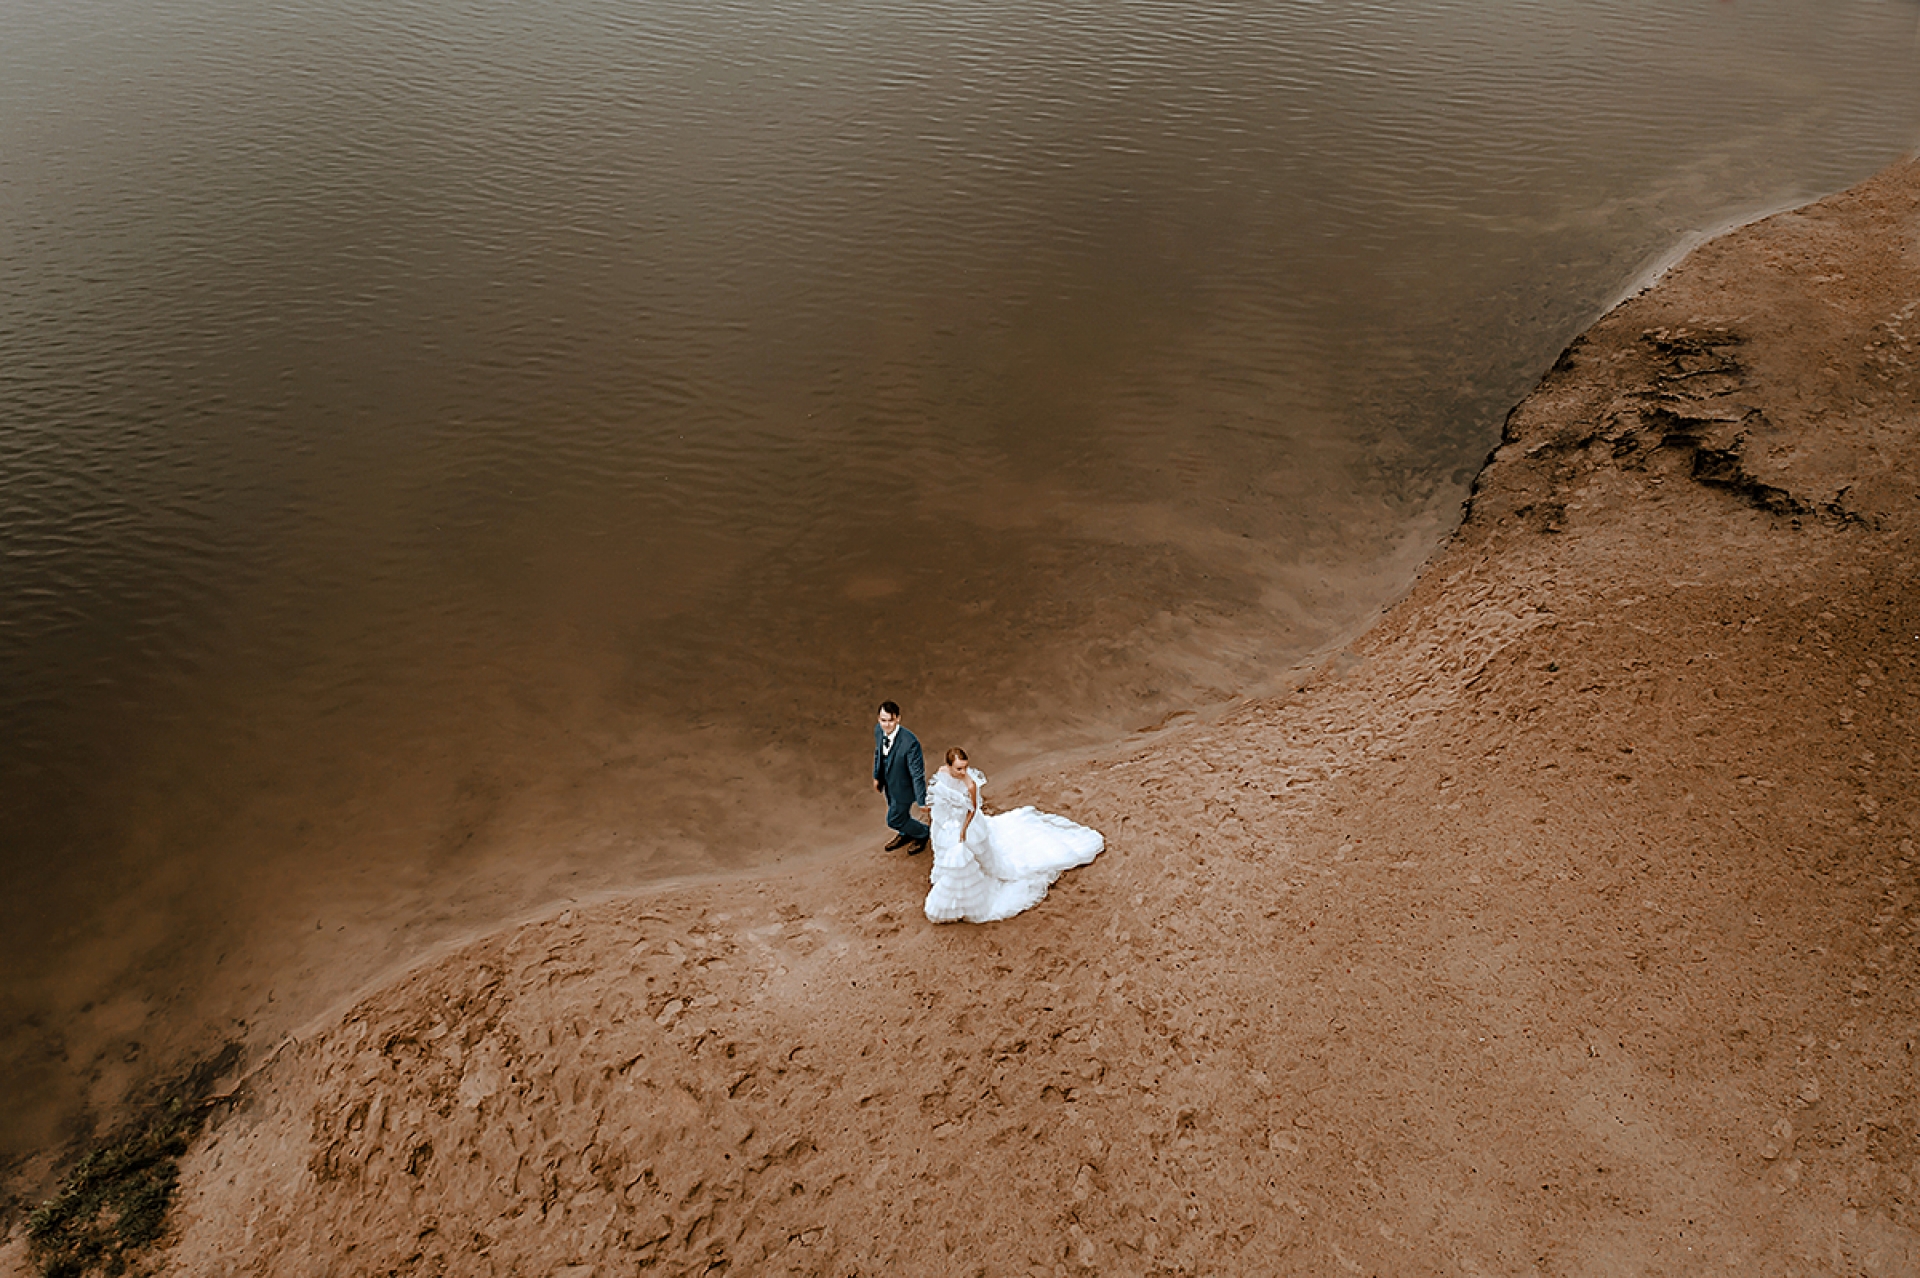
(460, 455)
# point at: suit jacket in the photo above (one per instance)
(904, 772)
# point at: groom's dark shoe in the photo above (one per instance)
(899, 841)
(916, 847)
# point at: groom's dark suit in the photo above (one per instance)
(902, 773)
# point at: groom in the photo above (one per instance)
(900, 773)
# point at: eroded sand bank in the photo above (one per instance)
(1563, 924)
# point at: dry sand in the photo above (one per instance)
(1564, 924)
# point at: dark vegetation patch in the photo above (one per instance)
(113, 1204)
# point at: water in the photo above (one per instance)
(458, 456)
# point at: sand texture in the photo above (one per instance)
(1563, 924)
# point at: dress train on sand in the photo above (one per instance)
(1006, 863)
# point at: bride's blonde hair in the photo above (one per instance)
(955, 753)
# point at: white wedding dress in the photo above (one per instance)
(1007, 862)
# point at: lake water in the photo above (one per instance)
(458, 455)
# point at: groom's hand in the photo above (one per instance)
(876, 785)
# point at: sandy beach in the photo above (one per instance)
(1564, 923)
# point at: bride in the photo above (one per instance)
(992, 867)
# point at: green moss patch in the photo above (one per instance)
(113, 1204)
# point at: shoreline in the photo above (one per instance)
(1684, 247)
(1519, 937)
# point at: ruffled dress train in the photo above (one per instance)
(1005, 864)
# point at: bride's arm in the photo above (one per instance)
(973, 805)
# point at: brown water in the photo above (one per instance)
(459, 456)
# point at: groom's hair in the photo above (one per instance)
(956, 754)
(890, 707)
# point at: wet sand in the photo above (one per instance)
(1563, 923)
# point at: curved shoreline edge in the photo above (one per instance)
(1565, 922)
